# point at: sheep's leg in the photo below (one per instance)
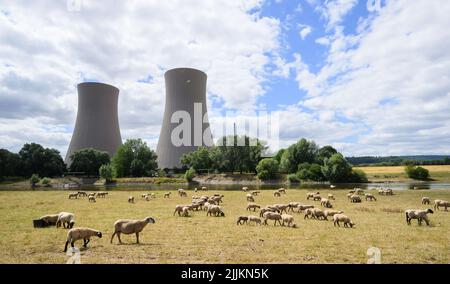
(118, 236)
(86, 242)
(65, 247)
(137, 237)
(112, 237)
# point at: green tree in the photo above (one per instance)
(267, 169)
(42, 161)
(89, 161)
(134, 158)
(303, 151)
(106, 172)
(418, 173)
(323, 153)
(279, 155)
(46, 182)
(190, 174)
(336, 169)
(10, 164)
(34, 180)
(200, 159)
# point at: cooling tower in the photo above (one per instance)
(185, 96)
(97, 124)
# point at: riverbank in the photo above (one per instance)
(438, 173)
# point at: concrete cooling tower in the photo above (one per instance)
(185, 96)
(97, 124)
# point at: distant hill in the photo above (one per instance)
(399, 160)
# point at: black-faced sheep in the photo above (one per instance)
(65, 218)
(420, 215)
(215, 210)
(272, 216)
(425, 200)
(167, 195)
(242, 220)
(84, 234)
(254, 219)
(73, 196)
(250, 198)
(128, 227)
(441, 203)
(253, 206)
(342, 218)
(131, 199)
(370, 197)
(355, 199)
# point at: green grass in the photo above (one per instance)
(202, 239)
(397, 173)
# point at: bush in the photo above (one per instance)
(34, 180)
(293, 178)
(358, 176)
(106, 172)
(190, 174)
(267, 169)
(88, 161)
(46, 182)
(418, 173)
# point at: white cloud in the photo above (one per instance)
(46, 50)
(323, 41)
(334, 10)
(305, 31)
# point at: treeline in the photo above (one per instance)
(399, 160)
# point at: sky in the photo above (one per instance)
(367, 77)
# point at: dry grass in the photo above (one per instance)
(397, 173)
(201, 239)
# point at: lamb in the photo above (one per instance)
(242, 220)
(420, 215)
(179, 209)
(425, 200)
(326, 203)
(331, 196)
(245, 189)
(215, 210)
(167, 195)
(65, 218)
(331, 213)
(181, 192)
(250, 198)
(308, 213)
(441, 203)
(254, 219)
(289, 219)
(342, 218)
(370, 197)
(276, 194)
(131, 199)
(50, 219)
(92, 199)
(129, 227)
(73, 195)
(355, 199)
(144, 195)
(272, 216)
(311, 195)
(253, 206)
(76, 234)
(216, 198)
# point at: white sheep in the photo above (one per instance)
(370, 197)
(331, 213)
(331, 196)
(73, 195)
(185, 211)
(215, 210)
(276, 194)
(92, 199)
(179, 209)
(419, 214)
(311, 195)
(65, 218)
(441, 203)
(254, 219)
(245, 189)
(130, 226)
(84, 234)
(250, 198)
(242, 220)
(425, 200)
(167, 195)
(304, 207)
(355, 199)
(266, 209)
(272, 216)
(253, 206)
(131, 199)
(326, 203)
(289, 219)
(342, 218)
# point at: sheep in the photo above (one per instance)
(293, 205)
(342, 218)
(242, 220)
(326, 203)
(349, 195)
(308, 213)
(370, 197)
(255, 193)
(65, 218)
(267, 209)
(167, 195)
(131, 199)
(216, 198)
(91, 194)
(311, 195)
(144, 196)
(254, 219)
(281, 207)
(73, 195)
(215, 210)
(355, 199)
(129, 227)
(420, 215)
(317, 214)
(92, 199)
(359, 191)
(76, 234)
(425, 200)
(289, 219)
(441, 203)
(276, 194)
(82, 193)
(304, 207)
(185, 211)
(179, 209)
(281, 190)
(50, 219)
(331, 213)
(387, 191)
(253, 206)
(272, 216)
(245, 189)
(250, 198)
(331, 196)
(204, 188)
(317, 197)
(102, 194)
(181, 192)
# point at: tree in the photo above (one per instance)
(89, 161)
(325, 152)
(106, 172)
(279, 155)
(10, 164)
(308, 171)
(336, 169)
(42, 161)
(190, 174)
(134, 158)
(303, 151)
(200, 159)
(34, 180)
(418, 173)
(46, 182)
(267, 169)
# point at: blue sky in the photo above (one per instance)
(368, 82)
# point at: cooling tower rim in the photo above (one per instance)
(185, 69)
(85, 84)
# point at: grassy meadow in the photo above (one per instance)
(397, 173)
(202, 239)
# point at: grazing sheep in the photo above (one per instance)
(331, 196)
(359, 191)
(181, 192)
(128, 227)
(326, 203)
(204, 188)
(342, 218)
(215, 210)
(253, 206)
(179, 209)
(250, 198)
(441, 203)
(65, 218)
(308, 213)
(84, 234)
(355, 199)
(425, 200)
(254, 219)
(304, 207)
(242, 220)
(289, 219)
(245, 189)
(167, 195)
(317, 197)
(311, 195)
(387, 191)
(267, 209)
(102, 194)
(131, 199)
(216, 199)
(292, 206)
(272, 216)
(50, 219)
(82, 193)
(420, 215)
(281, 207)
(331, 213)
(255, 193)
(276, 194)
(281, 190)
(185, 211)
(92, 199)
(318, 214)
(144, 195)
(73, 195)
(370, 197)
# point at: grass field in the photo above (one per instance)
(202, 239)
(397, 173)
